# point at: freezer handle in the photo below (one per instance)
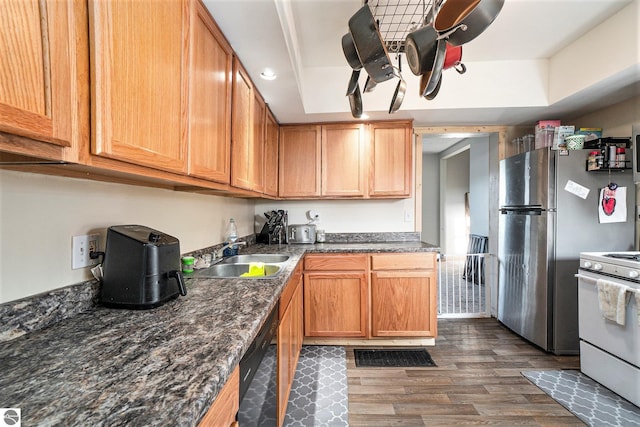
(522, 210)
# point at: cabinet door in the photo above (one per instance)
(209, 99)
(298, 325)
(271, 155)
(39, 81)
(343, 160)
(257, 147)
(335, 304)
(391, 160)
(225, 407)
(285, 355)
(403, 303)
(241, 126)
(139, 81)
(299, 169)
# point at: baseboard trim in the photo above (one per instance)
(410, 342)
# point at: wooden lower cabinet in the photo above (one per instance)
(335, 296)
(403, 295)
(224, 409)
(290, 336)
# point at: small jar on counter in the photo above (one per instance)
(620, 157)
(592, 161)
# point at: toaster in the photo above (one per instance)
(301, 233)
(141, 268)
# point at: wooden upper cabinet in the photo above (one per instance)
(256, 150)
(40, 85)
(391, 156)
(343, 160)
(139, 79)
(299, 169)
(241, 126)
(209, 98)
(272, 131)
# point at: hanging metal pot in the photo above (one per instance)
(425, 46)
(477, 15)
(350, 52)
(369, 45)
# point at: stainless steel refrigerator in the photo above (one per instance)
(544, 225)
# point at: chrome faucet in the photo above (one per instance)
(220, 252)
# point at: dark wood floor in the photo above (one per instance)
(477, 382)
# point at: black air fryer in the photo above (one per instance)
(141, 268)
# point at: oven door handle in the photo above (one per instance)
(582, 276)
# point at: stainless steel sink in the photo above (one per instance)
(265, 258)
(224, 270)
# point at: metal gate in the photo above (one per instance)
(462, 291)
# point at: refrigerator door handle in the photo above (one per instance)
(533, 210)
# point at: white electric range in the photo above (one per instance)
(609, 352)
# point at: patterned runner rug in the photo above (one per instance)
(594, 404)
(318, 392)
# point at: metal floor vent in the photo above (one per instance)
(396, 358)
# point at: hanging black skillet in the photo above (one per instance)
(354, 94)
(369, 45)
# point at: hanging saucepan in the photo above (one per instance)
(350, 52)
(453, 58)
(401, 88)
(369, 45)
(424, 45)
(477, 15)
(438, 60)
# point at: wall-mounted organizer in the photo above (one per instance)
(608, 154)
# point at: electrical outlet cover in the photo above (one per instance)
(81, 246)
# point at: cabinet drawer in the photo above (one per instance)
(404, 261)
(342, 262)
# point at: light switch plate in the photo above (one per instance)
(81, 246)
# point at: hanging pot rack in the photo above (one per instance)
(380, 28)
(397, 18)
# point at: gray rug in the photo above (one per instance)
(594, 404)
(318, 392)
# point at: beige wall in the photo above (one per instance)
(39, 214)
(615, 121)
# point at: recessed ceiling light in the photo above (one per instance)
(364, 116)
(268, 74)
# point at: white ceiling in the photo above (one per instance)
(301, 41)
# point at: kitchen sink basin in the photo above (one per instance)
(223, 270)
(265, 258)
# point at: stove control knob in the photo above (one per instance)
(597, 266)
(587, 264)
(633, 274)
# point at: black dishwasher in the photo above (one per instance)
(251, 360)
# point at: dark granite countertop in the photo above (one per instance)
(163, 366)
